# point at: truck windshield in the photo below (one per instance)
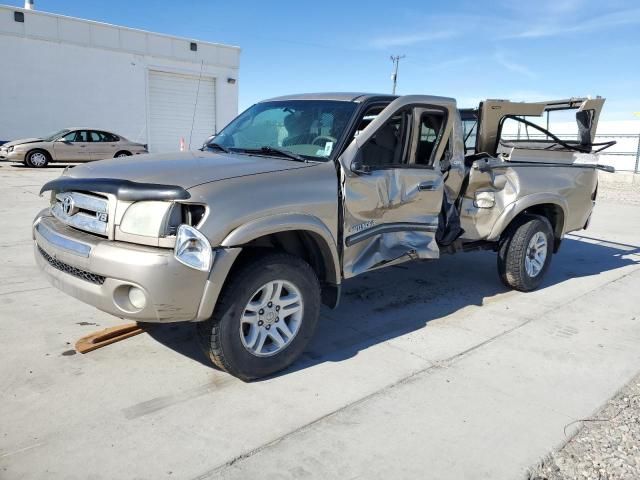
(306, 128)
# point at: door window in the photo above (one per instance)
(108, 137)
(82, 136)
(70, 137)
(96, 137)
(431, 124)
(387, 147)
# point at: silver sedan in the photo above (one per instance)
(69, 145)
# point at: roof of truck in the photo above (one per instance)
(340, 96)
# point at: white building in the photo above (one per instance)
(61, 72)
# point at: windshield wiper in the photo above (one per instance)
(218, 146)
(284, 153)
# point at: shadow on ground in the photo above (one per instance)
(44, 169)
(392, 302)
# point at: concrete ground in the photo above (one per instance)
(428, 370)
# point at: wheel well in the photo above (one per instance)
(303, 244)
(122, 151)
(551, 212)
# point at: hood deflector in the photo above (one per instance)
(122, 189)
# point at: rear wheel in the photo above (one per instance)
(525, 253)
(37, 159)
(265, 317)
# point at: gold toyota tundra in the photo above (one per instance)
(250, 234)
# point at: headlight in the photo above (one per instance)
(193, 249)
(10, 149)
(145, 218)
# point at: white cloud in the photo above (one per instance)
(512, 66)
(411, 39)
(571, 25)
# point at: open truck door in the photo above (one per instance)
(393, 185)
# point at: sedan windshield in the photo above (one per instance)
(305, 128)
(52, 136)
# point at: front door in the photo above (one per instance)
(393, 186)
(73, 147)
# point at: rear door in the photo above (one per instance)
(101, 146)
(392, 185)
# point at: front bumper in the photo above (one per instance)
(14, 156)
(100, 272)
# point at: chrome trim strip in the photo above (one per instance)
(388, 228)
(64, 243)
(86, 202)
(80, 220)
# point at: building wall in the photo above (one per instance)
(58, 72)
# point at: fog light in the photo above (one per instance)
(137, 298)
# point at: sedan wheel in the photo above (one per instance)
(37, 159)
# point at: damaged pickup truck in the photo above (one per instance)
(250, 234)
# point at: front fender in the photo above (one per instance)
(514, 209)
(285, 223)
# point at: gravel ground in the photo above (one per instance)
(607, 447)
(619, 193)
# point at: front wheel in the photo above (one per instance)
(37, 159)
(525, 253)
(265, 317)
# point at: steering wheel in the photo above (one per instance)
(326, 138)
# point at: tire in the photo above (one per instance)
(525, 253)
(242, 314)
(37, 159)
(121, 154)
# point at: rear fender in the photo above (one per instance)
(516, 208)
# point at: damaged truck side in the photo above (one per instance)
(250, 234)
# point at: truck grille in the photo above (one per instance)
(76, 272)
(89, 213)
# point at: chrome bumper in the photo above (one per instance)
(100, 272)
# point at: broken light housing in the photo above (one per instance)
(193, 249)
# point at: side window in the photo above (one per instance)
(387, 147)
(431, 124)
(70, 137)
(82, 136)
(96, 137)
(109, 137)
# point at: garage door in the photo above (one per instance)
(172, 101)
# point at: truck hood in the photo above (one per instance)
(21, 141)
(183, 169)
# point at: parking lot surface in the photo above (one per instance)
(427, 370)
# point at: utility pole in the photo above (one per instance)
(394, 76)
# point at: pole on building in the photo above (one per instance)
(394, 76)
(28, 4)
(636, 169)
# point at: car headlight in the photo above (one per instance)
(193, 249)
(145, 218)
(10, 149)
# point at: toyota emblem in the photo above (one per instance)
(68, 205)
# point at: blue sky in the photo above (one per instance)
(468, 49)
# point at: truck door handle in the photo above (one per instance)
(428, 186)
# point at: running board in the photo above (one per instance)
(107, 337)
